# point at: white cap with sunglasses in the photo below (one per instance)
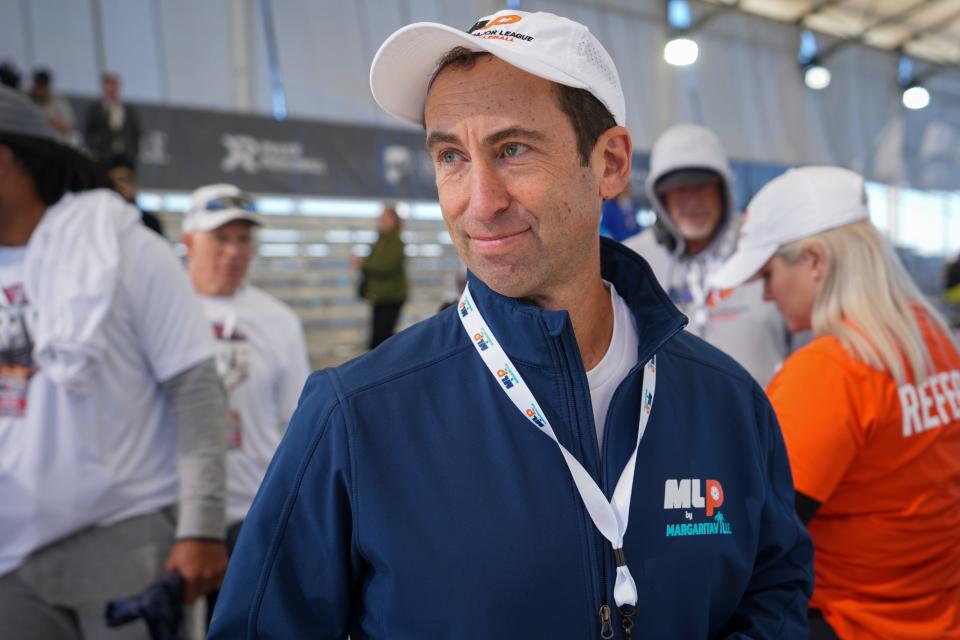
(217, 204)
(798, 204)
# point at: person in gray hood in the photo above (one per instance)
(691, 188)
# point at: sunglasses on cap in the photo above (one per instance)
(231, 202)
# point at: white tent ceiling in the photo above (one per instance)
(925, 29)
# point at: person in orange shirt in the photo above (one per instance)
(870, 409)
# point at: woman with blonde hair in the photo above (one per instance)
(870, 409)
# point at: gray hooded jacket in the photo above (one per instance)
(738, 322)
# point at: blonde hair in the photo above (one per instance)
(866, 301)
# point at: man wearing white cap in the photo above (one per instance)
(111, 413)
(474, 477)
(261, 351)
(690, 185)
(870, 409)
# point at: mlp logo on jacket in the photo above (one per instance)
(700, 516)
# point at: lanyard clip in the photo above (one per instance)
(619, 557)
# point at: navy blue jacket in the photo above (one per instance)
(411, 500)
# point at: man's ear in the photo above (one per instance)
(612, 158)
(187, 239)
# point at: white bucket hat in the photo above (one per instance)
(217, 204)
(543, 44)
(798, 204)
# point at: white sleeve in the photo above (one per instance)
(295, 369)
(166, 311)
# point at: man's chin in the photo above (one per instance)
(507, 280)
(695, 233)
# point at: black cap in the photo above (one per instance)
(687, 178)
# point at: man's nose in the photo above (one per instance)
(232, 249)
(488, 190)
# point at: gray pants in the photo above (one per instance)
(61, 592)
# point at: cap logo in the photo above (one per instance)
(480, 25)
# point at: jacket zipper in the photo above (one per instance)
(606, 625)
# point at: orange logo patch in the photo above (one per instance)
(502, 20)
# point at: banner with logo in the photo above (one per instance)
(181, 149)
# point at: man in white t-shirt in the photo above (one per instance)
(111, 411)
(261, 351)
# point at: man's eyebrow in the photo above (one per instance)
(440, 137)
(514, 132)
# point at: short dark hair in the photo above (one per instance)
(54, 168)
(9, 76)
(586, 113)
(42, 77)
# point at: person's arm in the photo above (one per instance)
(775, 602)
(178, 345)
(822, 436)
(296, 565)
(196, 397)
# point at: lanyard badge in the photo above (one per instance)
(609, 517)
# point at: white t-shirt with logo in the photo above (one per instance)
(620, 358)
(262, 360)
(69, 461)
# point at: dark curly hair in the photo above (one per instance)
(54, 168)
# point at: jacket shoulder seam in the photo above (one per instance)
(349, 421)
(406, 371)
(721, 369)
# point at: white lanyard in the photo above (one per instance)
(610, 518)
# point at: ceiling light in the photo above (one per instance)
(916, 97)
(816, 77)
(681, 52)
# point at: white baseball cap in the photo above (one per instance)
(543, 44)
(215, 205)
(798, 204)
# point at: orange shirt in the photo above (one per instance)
(885, 463)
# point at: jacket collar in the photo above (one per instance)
(527, 333)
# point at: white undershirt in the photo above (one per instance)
(620, 358)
